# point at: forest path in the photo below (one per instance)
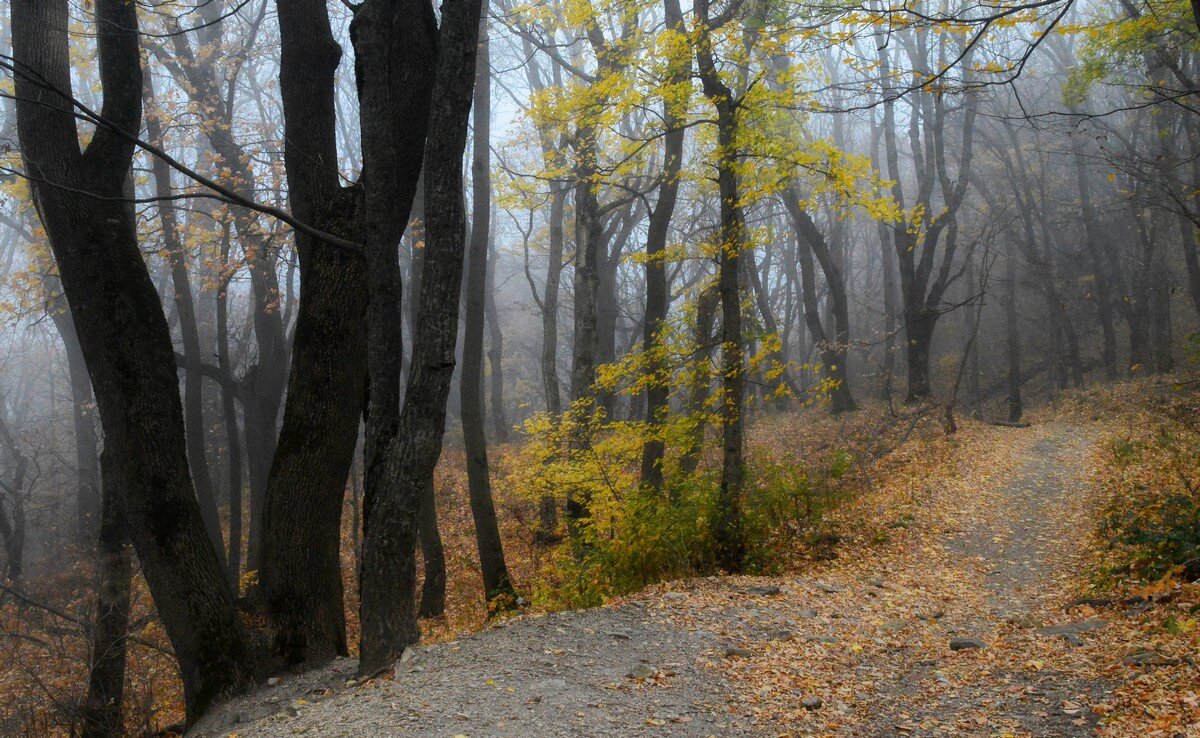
(867, 646)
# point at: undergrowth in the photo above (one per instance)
(1150, 473)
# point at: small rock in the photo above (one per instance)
(1083, 626)
(1025, 620)
(929, 617)
(828, 588)
(781, 635)
(640, 672)
(807, 614)
(741, 653)
(1072, 639)
(1150, 658)
(812, 702)
(615, 635)
(676, 597)
(878, 584)
(272, 681)
(407, 655)
(963, 644)
(1089, 602)
(766, 591)
(821, 639)
(892, 626)
(351, 682)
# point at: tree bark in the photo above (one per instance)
(496, 581)
(810, 242)
(301, 568)
(123, 332)
(409, 454)
(189, 330)
(1013, 335)
(83, 408)
(728, 532)
(658, 388)
(102, 707)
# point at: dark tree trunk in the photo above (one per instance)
(102, 707)
(433, 555)
(1103, 289)
(586, 341)
(406, 462)
(495, 352)
(548, 506)
(496, 582)
(87, 443)
(1013, 335)
(229, 417)
(13, 532)
(658, 388)
(123, 332)
(200, 76)
(189, 330)
(701, 378)
(810, 242)
(301, 568)
(727, 528)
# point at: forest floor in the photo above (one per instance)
(961, 618)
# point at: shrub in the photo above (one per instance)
(1153, 520)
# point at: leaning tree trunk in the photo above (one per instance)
(123, 331)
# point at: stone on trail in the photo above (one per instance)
(1083, 626)
(812, 703)
(807, 614)
(828, 588)
(736, 652)
(964, 644)
(766, 591)
(640, 672)
(1025, 620)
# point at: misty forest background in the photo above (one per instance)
(622, 290)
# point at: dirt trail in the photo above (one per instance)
(862, 648)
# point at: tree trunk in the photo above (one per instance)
(658, 388)
(727, 529)
(123, 332)
(189, 330)
(548, 506)
(811, 241)
(495, 352)
(433, 554)
(407, 461)
(229, 417)
(87, 443)
(301, 567)
(1015, 407)
(102, 707)
(496, 582)
(1103, 288)
(586, 342)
